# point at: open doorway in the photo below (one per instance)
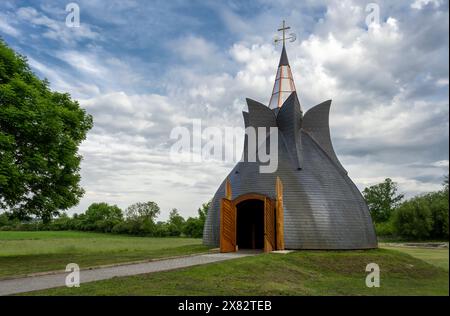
(250, 224)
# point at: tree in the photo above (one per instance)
(203, 211)
(194, 225)
(149, 210)
(413, 219)
(175, 223)
(438, 204)
(140, 218)
(382, 199)
(102, 217)
(193, 228)
(40, 132)
(445, 184)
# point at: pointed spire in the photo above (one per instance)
(284, 82)
(283, 59)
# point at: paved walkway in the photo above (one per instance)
(42, 282)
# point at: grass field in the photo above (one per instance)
(30, 252)
(297, 273)
(437, 257)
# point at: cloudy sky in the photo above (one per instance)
(142, 68)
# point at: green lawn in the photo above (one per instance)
(29, 252)
(437, 257)
(297, 273)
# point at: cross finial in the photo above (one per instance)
(283, 29)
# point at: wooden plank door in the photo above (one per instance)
(227, 226)
(269, 225)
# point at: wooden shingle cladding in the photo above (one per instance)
(322, 207)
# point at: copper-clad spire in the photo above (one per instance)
(284, 82)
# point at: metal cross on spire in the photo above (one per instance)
(283, 29)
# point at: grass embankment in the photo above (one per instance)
(30, 252)
(297, 273)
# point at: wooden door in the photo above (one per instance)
(269, 225)
(227, 226)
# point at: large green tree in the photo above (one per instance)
(102, 217)
(143, 210)
(382, 199)
(40, 132)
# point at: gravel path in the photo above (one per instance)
(34, 283)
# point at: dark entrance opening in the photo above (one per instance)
(250, 224)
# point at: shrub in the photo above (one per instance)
(176, 223)
(100, 217)
(413, 219)
(385, 228)
(438, 203)
(121, 228)
(63, 222)
(161, 229)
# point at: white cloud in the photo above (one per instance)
(6, 27)
(56, 29)
(64, 82)
(419, 4)
(440, 163)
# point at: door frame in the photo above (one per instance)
(273, 237)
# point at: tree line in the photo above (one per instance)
(423, 217)
(138, 219)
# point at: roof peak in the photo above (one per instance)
(283, 58)
(284, 82)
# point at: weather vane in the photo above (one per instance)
(292, 37)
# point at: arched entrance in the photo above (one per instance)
(252, 221)
(250, 224)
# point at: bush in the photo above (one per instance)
(120, 228)
(385, 228)
(175, 224)
(413, 219)
(7, 219)
(194, 225)
(100, 217)
(63, 222)
(31, 226)
(161, 229)
(439, 212)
